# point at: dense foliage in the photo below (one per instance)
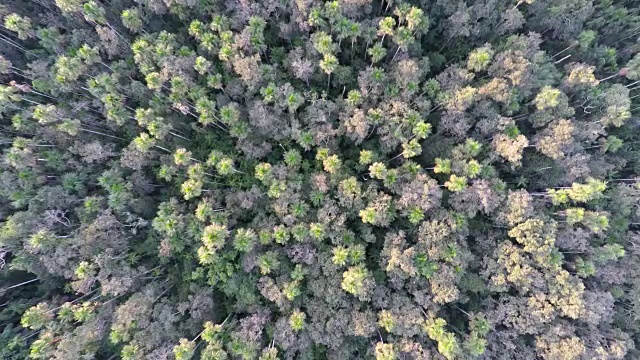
(347, 179)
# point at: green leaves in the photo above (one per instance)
(19, 24)
(386, 26)
(296, 320)
(144, 142)
(69, 5)
(184, 350)
(329, 63)
(268, 262)
(411, 149)
(632, 68)
(618, 105)
(70, 69)
(214, 236)
(443, 166)
(224, 166)
(612, 144)
(281, 234)
(340, 256)
(127, 139)
(448, 344)
(131, 19)
(154, 81)
(292, 158)
(424, 266)
(456, 183)
(293, 101)
(353, 254)
(377, 170)
(475, 345)
(93, 12)
(421, 130)
(41, 239)
(609, 252)
(244, 240)
(417, 20)
(377, 53)
(547, 98)
(386, 320)
(584, 268)
(323, 43)
(357, 281)
(36, 317)
(332, 164)
(263, 172)
(415, 215)
(202, 65)
(354, 97)
(592, 190)
(385, 351)
(480, 58)
(42, 346)
(84, 270)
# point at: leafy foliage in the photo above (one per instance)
(351, 179)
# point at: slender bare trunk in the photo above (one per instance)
(518, 4)
(565, 49)
(563, 59)
(22, 283)
(396, 54)
(609, 77)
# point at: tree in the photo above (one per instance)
(582, 75)
(185, 350)
(296, 320)
(131, 19)
(377, 53)
(589, 191)
(329, 64)
(385, 351)
(263, 181)
(558, 140)
(20, 25)
(479, 59)
(214, 236)
(456, 183)
(447, 342)
(386, 27)
(548, 98)
(617, 104)
(633, 68)
(358, 281)
(510, 148)
(556, 347)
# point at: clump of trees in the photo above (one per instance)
(350, 179)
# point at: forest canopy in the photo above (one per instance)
(310, 179)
